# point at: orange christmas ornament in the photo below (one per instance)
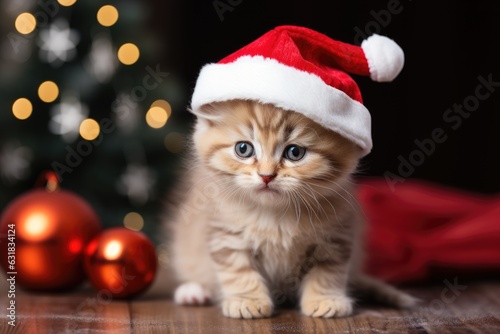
(43, 234)
(121, 262)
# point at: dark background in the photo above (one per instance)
(447, 44)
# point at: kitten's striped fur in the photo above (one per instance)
(249, 247)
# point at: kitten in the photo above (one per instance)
(268, 215)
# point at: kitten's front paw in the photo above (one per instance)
(192, 293)
(327, 307)
(248, 308)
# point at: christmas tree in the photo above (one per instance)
(82, 93)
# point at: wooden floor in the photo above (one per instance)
(470, 308)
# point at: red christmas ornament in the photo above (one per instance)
(43, 234)
(121, 262)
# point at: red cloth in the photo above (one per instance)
(417, 227)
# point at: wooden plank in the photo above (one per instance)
(67, 312)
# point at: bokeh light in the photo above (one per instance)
(174, 142)
(48, 91)
(66, 3)
(133, 221)
(164, 105)
(22, 108)
(156, 117)
(25, 23)
(107, 15)
(128, 53)
(89, 129)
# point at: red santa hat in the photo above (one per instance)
(299, 69)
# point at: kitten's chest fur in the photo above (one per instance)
(281, 244)
(281, 266)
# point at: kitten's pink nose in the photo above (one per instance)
(267, 178)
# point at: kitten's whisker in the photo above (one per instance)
(345, 199)
(285, 209)
(309, 209)
(230, 192)
(297, 207)
(348, 192)
(336, 192)
(195, 184)
(331, 205)
(320, 207)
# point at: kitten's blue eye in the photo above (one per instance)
(294, 152)
(244, 149)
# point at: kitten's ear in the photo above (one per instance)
(208, 113)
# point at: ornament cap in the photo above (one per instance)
(49, 180)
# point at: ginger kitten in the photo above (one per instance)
(268, 214)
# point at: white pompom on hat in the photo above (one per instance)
(299, 69)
